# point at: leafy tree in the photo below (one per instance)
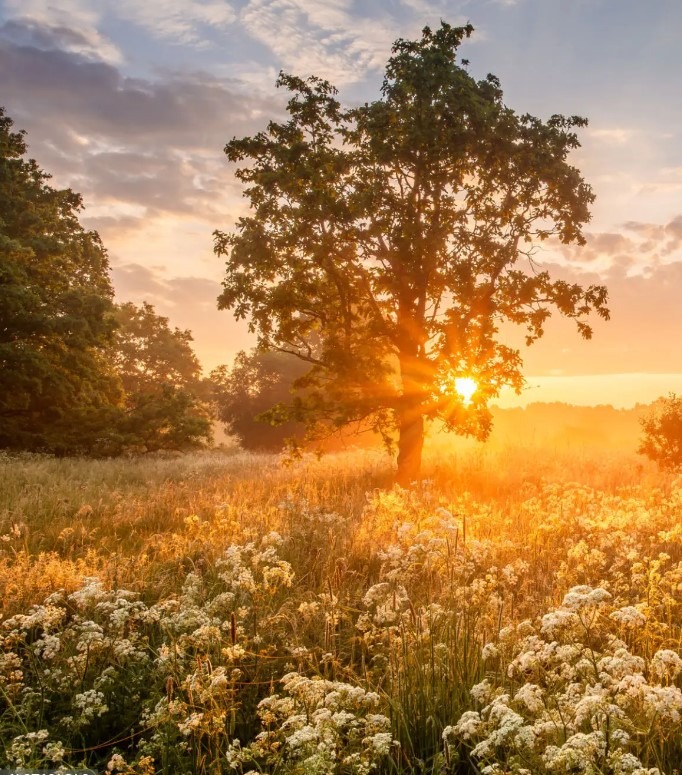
(149, 353)
(55, 310)
(662, 433)
(166, 400)
(400, 235)
(77, 375)
(246, 395)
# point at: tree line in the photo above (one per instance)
(83, 375)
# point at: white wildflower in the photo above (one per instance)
(381, 742)
(482, 692)
(629, 616)
(91, 704)
(531, 696)
(469, 726)
(584, 596)
(54, 751)
(666, 664)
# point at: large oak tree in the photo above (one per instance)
(398, 237)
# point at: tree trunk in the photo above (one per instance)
(410, 444)
(410, 409)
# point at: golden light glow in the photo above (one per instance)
(466, 387)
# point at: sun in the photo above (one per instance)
(465, 387)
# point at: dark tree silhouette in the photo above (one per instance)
(248, 397)
(662, 433)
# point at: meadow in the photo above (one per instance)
(519, 611)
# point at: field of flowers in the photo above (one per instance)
(520, 611)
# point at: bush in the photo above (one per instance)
(662, 440)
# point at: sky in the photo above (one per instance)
(131, 102)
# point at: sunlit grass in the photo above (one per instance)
(240, 572)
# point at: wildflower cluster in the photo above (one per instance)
(568, 695)
(323, 629)
(62, 667)
(319, 727)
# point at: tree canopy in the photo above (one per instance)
(55, 308)
(400, 235)
(150, 354)
(78, 374)
(166, 403)
(246, 395)
(662, 433)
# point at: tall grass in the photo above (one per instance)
(321, 619)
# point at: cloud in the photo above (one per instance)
(122, 225)
(182, 22)
(674, 229)
(642, 335)
(154, 143)
(433, 10)
(177, 21)
(618, 135)
(163, 180)
(95, 100)
(606, 244)
(639, 244)
(71, 36)
(662, 239)
(321, 37)
(138, 283)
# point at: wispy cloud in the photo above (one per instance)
(638, 246)
(320, 37)
(452, 10)
(177, 21)
(620, 135)
(658, 240)
(155, 144)
(183, 22)
(63, 30)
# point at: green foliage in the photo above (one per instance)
(149, 353)
(258, 383)
(400, 235)
(165, 404)
(662, 433)
(55, 308)
(77, 375)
